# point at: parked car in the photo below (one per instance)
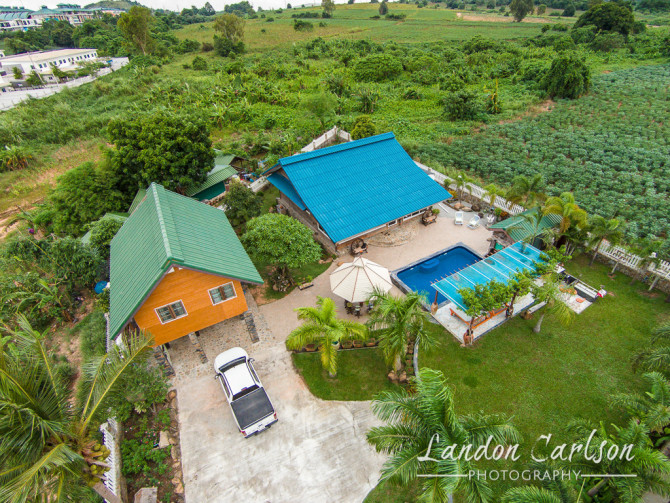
(251, 406)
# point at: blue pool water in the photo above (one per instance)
(500, 266)
(420, 276)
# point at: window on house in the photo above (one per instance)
(171, 311)
(222, 293)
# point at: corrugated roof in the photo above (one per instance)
(141, 194)
(223, 159)
(285, 186)
(520, 229)
(168, 229)
(219, 174)
(355, 186)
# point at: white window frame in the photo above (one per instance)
(167, 305)
(209, 292)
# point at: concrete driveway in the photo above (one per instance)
(317, 452)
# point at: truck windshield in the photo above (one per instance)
(245, 391)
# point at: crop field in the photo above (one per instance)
(611, 148)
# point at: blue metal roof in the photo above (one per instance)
(284, 185)
(356, 186)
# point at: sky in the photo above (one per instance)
(176, 5)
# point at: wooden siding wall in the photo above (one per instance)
(191, 287)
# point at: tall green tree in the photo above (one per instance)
(172, 149)
(281, 241)
(419, 426)
(102, 233)
(599, 229)
(520, 9)
(242, 204)
(82, 195)
(568, 77)
(397, 319)
(135, 26)
(321, 106)
(230, 27)
(321, 326)
(608, 16)
(328, 7)
(47, 444)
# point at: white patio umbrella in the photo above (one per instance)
(355, 281)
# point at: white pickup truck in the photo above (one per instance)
(248, 400)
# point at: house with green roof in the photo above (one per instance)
(176, 267)
(354, 190)
(522, 227)
(214, 187)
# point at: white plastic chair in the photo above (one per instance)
(458, 218)
(474, 223)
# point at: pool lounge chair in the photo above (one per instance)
(458, 218)
(474, 223)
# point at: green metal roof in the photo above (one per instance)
(219, 174)
(168, 229)
(519, 229)
(223, 159)
(86, 238)
(138, 199)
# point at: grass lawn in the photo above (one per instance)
(361, 374)
(543, 380)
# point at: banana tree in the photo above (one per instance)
(599, 229)
(550, 293)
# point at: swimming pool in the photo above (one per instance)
(419, 276)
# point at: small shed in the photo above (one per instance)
(518, 228)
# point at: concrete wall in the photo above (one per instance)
(302, 216)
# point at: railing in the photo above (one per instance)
(627, 259)
(475, 191)
(326, 138)
(110, 435)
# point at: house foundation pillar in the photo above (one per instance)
(193, 337)
(163, 361)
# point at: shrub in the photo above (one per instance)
(363, 127)
(410, 94)
(541, 9)
(207, 47)
(606, 42)
(569, 10)
(377, 68)
(461, 105)
(242, 204)
(92, 332)
(14, 158)
(583, 35)
(199, 63)
(102, 233)
(300, 25)
(568, 77)
(225, 47)
(608, 16)
(395, 17)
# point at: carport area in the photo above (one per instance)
(317, 451)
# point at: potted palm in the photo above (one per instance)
(306, 284)
(322, 327)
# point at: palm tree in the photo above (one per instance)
(420, 426)
(491, 191)
(650, 467)
(653, 407)
(322, 326)
(655, 359)
(48, 448)
(647, 249)
(600, 229)
(565, 206)
(553, 490)
(527, 189)
(394, 321)
(530, 220)
(550, 293)
(462, 181)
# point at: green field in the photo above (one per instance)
(542, 380)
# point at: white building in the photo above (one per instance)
(17, 20)
(73, 14)
(66, 60)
